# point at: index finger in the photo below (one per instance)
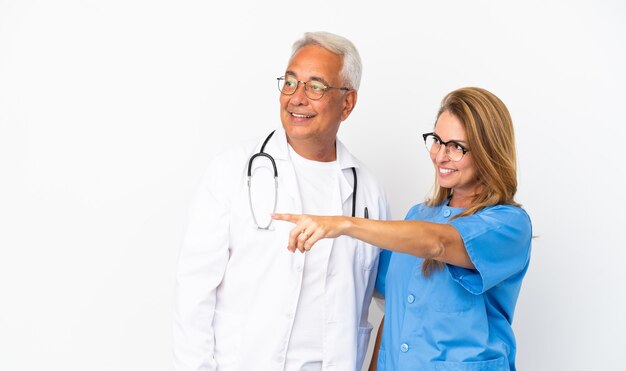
(293, 218)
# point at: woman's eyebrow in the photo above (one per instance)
(451, 140)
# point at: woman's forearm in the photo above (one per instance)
(426, 240)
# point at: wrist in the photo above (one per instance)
(347, 226)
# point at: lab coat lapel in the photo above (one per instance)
(287, 183)
(346, 182)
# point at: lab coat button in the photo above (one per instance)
(299, 268)
(404, 348)
(446, 213)
(410, 299)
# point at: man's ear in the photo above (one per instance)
(349, 101)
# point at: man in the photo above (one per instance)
(243, 301)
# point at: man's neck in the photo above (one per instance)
(315, 151)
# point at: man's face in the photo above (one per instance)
(315, 121)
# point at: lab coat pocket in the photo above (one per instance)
(363, 340)
(498, 364)
(367, 255)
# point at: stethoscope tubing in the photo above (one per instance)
(262, 153)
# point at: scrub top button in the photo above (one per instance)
(410, 299)
(404, 348)
(446, 213)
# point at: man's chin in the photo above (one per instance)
(297, 130)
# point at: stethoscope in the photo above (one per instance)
(262, 153)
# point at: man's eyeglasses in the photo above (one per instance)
(454, 150)
(313, 89)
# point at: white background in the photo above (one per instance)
(110, 111)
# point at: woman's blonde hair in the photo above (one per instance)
(491, 141)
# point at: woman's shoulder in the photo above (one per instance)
(497, 218)
(506, 212)
(421, 211)
(415, 209)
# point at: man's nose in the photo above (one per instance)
(299, 96)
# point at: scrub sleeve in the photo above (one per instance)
(497, 240)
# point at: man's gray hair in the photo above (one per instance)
(351, 69)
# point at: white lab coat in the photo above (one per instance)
(237, 287)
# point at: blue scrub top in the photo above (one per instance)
(456, 319)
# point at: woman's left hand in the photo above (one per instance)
(311, 228)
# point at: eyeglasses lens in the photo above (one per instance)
(313, 89)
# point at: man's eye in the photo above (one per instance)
(318, 87)
(291, 83)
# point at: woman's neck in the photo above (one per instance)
(462, 200)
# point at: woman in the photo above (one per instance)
(452, 270)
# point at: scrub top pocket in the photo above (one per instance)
(448, 296)
(498, 364)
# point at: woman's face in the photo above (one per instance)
(460, 176)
